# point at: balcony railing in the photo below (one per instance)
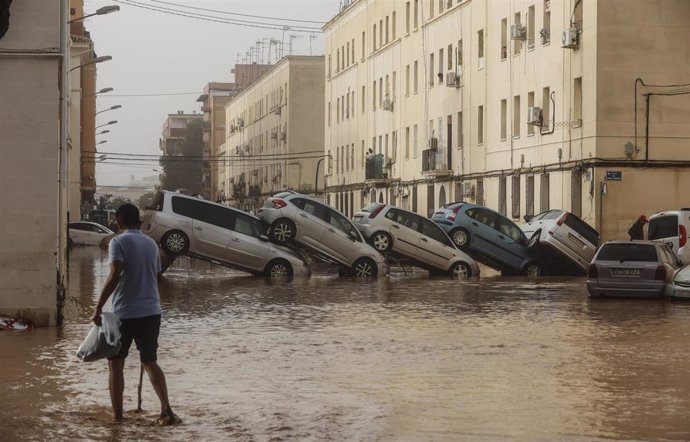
(434, 160)
(374, 169)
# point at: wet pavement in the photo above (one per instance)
(327, 358)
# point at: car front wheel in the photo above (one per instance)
(364, 268)
(175, 242)
(283, 231)
(381, 241)
(279, 269)
(461, 238)
(460, 270)
(533, 270)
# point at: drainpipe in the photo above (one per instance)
(62, 215)
(602, 192)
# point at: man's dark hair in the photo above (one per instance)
(128, 215)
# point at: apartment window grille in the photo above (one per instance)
(515, 197)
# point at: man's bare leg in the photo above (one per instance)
(157, 378)
(117, 386)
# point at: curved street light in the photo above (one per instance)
(107, 124)
(106, 131)
(100, 11)
(93, 61)
(117, 106)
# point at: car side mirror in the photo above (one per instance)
(263, 237)
(528, 218)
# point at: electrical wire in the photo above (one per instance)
(210, 18)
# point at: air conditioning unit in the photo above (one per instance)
(569, 38)
(405, 192)
(433, 143)
(274, 135)
(545, 35)
(387, 104)
(450, 78)
(240, 122)
(518, 32)
(277, 110)
(467, 189)
(534, 116)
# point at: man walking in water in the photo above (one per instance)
(133, 281)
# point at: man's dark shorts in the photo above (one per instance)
(144, 332)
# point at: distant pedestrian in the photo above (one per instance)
(370, 154)
(135, 270)
(636, 231)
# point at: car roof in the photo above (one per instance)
(196, 198)
(636, 241)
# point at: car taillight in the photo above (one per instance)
(453, 214)
(278, 203)
(562, 219)
(660, 274)
(593, 272)
(682, 235)
(376, 211)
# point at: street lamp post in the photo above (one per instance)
(117, 106)
(107, 124)
(100, 11)
(100, 59)
(106, 131)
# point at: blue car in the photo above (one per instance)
(488, 237)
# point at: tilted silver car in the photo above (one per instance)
(321, 229)
(564, 233)
(189, 225)
(408, 235)
(632, 269)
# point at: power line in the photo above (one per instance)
(209, 18)
(157, 157)
(238, 14)
(151, 95)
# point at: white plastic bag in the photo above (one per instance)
(101, 342)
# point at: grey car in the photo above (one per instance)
(186, 225)
(632, 269)
(402, 233)
(315, 226)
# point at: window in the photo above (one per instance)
(363, 97)
(407, 17)
(416, 139)
(381, 33)
(502, 209)
(363, 44)
(461, 134)
(440, 66)
(546, 29)
(381, 92)
(337, 111)
(516, 116)
(385, 151)
(347, 55)
(450, 57)
(337, 61)
(431, 9)
(480, 124)
(509, 229)
(353, 51)
(246, 225)
(577, 101)
(544, 203)
(373, 94)
(329, 65)
(621, 252)
(480, 192)
(504, 39)
(362, 157)
(394, 146)
(515, 190)
(395, 86)
(341, 223)
(576, 192)
(546, 106)
(416, 76)
(440, 6)
(483, 216)
(432, 75)
(346, 159)
(352, 115)
(663, 227)
(529, 196)
(458, 56)
(329, 114)
(387, 27)
(373, 38)
(407, 80)
(504, 113)
(480, 48)
(416, 14)
(407, 142)
(517, 44)
(530, 27)
(530, 103)
(433, 231)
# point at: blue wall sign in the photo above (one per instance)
(614, 175)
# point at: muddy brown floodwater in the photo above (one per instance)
(401, 358)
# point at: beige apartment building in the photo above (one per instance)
(274, 133)
(520, 105)
(174, 129)
(213, 101)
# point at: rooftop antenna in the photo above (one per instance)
(312, 37)
(293, 37)
(282, 42)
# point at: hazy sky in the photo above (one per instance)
(158, 53)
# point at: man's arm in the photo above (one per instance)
(108, 288)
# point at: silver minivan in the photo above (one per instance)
(405, 234)
(189, 225)
(671, 227)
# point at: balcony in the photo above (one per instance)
(435, 163)
(375, 170)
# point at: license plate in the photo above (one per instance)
(681, 293)
(576, 240)
(357, 218)
(625, 272)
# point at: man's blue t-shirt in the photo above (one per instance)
(136, 294)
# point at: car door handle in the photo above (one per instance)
(330, 229)
(425, 240)
(303, 215)
(198, 228)
(396, 226)
(235, 240)
(501, 236)
(474, 223)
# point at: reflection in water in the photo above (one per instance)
(406, 357)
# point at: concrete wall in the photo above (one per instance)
(29, 140)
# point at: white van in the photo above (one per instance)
(188, 225)
(672, 228)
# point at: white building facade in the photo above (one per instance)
(274, 133)
(520, 105)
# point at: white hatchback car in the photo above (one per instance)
(565, 233)
(87, 233)
(189, 225)
(325, 232)
(672, 228)
(406, 234)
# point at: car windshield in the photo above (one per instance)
(550, 214)
(683, 275)
(622, 252)
(663, 227)
(582, 228)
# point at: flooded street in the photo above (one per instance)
(327, 358)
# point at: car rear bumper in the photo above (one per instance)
(627, 290)
(268, 214)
